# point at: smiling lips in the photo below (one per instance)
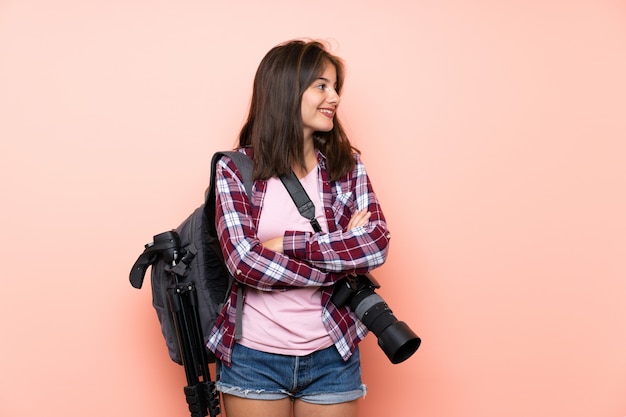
(328, 112)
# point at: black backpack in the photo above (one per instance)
(188, 260)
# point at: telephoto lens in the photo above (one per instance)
(395, 337)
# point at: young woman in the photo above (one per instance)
(298, 351)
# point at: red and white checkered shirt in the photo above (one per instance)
(308, 258)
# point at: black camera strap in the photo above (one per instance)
(301, 199)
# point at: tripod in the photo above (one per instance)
(183, 305)
(200, 391)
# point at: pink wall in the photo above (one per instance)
(495, 135)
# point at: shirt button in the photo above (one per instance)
(239, 272)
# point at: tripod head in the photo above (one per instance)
(165, 245)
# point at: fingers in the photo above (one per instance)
(360, 218)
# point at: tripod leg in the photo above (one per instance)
(200, 390)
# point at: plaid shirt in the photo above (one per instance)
(308, 258)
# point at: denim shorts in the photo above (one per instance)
(322, 377)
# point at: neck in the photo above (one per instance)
(308, 148)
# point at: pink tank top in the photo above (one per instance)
(285, 322)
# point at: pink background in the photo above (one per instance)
(494, 132)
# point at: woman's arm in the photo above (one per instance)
(358, 219)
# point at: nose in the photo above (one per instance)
(333, 96)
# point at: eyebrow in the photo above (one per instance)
(326, 80)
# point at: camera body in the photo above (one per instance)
(395, 337)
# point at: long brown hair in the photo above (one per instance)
(274, 126)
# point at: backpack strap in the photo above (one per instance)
(245, 167)
(301, 199)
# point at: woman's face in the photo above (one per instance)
(319, 103)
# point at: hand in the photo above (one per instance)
(360, 218)
(275, 244)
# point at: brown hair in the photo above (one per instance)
(274, 126)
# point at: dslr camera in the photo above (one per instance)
(395, 337)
